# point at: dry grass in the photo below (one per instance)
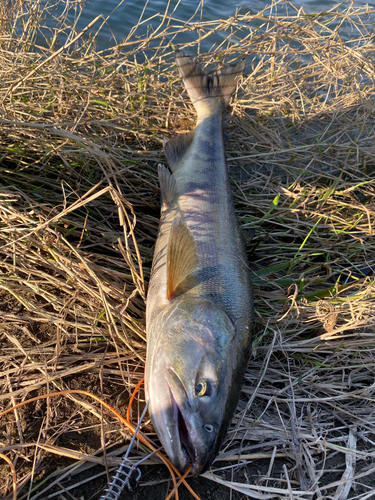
(81, 134)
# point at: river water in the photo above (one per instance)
(123, 15)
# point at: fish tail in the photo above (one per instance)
(201, 85)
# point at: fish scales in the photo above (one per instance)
(199, 303)
(204, 201)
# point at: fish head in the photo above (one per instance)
(193, 381)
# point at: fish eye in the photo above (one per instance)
(203, 388)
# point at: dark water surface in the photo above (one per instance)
(123, 15)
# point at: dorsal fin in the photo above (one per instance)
(174, 148)
(168, 186)
(182, 257)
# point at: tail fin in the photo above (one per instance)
(200, 85)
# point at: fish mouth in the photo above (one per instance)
(190, 443)
(177, 422)
(185, 443)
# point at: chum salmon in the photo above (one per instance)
(199, 308)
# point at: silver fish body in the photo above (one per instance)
(199, 304)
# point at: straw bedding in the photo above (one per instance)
(81, 134)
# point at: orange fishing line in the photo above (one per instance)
(128, 419)
(14, 475)
(132, 397)
(182, 479)
(143, 439)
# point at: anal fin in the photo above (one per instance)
(168, 186)
(175, 147)
(182, 257)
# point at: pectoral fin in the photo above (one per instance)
(182, 257)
